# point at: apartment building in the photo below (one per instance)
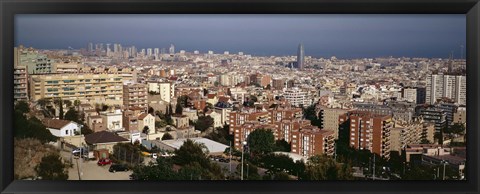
(368, 131)
(312, 141)
(286, 124)
(135, 95)
(329, 118)
(87, 87)
(35, 62)
(296, 97)
(404, 134)
(446, 86)
(20, 83)
(165, 89)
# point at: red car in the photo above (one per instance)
(104, 161)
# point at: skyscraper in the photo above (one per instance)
(171, 50)
(300, 56)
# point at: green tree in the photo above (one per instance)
(261, 141)
(203, 123)
(52, 168)
(311, 114)
(59, 103)
(162, 170)
(128, 153)
(282, 146)
(179, 109)
(67, 103)
(167, 136)
(86, 130)
(72, 115)
(76, 103)
(22, 106)
(250, 171)
(191, 152)
(321, 167)
(31, 128)
(43, 102)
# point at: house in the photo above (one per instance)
(180, 121)
(148, 120)
(62, 128)
(113, 119)
(104, 140)
(217, 118)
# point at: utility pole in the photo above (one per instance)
(444, 163)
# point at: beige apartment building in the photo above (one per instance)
(329, 117)
(86, 87)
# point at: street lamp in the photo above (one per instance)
(243, 148)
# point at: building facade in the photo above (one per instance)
(135, 95)
(369, 131)
(86, 87)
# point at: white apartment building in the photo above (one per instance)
(449, 86)
(165, 89)
(410, 94)
(297, 97)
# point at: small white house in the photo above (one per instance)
(62, 128)
(148, 120)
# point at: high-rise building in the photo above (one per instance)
(300, 56)
(368, 131)
(171, 50)
(446, 86)
(20, 84)
(90, 47)
(165, 89)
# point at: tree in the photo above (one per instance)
(151, 110)
(191, 152)
(52, 168)
(203, 123)
(162, 170)
(250, 171)
(31, 128)
(59, 103)
(261, 141)
(311, 114)
(250, 101)
(76, 103)
(321, 167)
(128, 153)
(43, 102)
(282, 146)
(167, 136)
(67, 103)
(86, 130)
(146, 130)
(72, 115)
(221, 134)
(22, 106)
(179, 109)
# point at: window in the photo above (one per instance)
(66, 132)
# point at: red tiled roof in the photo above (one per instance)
(55, 123)
(103, 137)
(142, 116)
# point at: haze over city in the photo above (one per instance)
(344, 36)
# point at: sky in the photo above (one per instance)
(343, 36)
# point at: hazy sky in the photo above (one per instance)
(345, 36)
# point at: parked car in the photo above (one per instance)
(78, 151)
(104, 161)
(117, 167)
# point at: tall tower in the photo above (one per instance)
(300, 56)
(171, 49)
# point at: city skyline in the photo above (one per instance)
(343, 36)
